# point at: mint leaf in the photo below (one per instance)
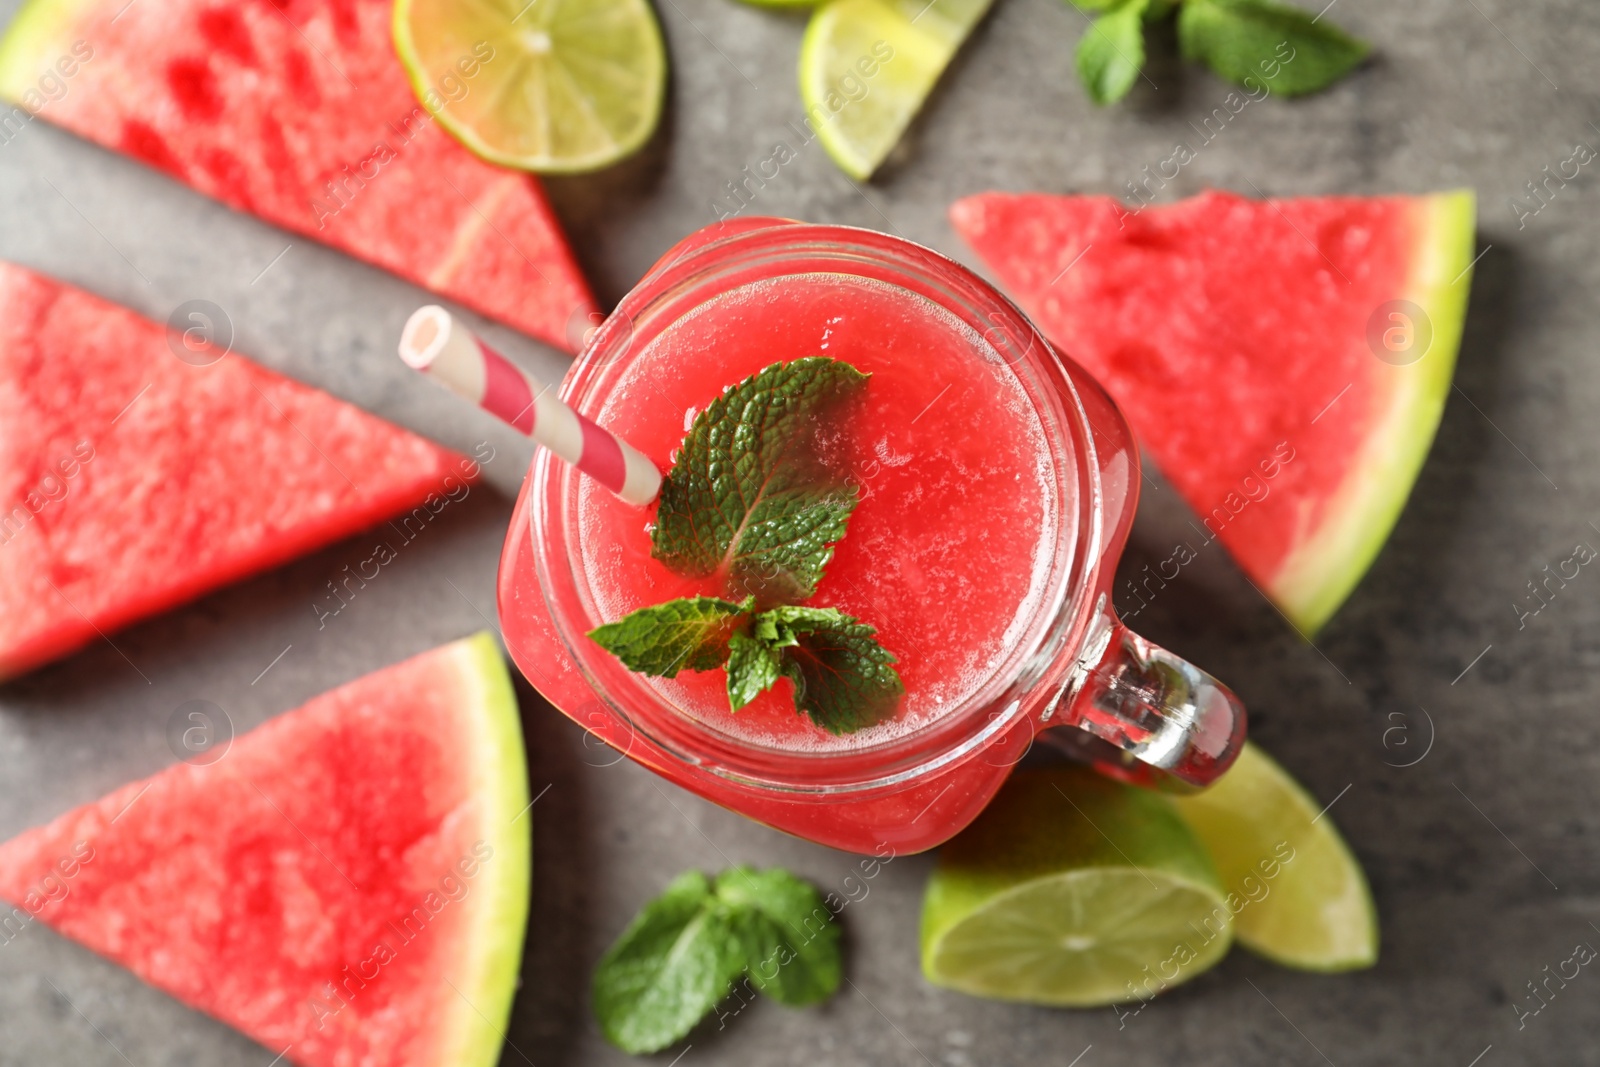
(748, 497)
(1280, 47)
(788, 538)
(843, 679)
(766, 629)
(753, 667)
(691, 632)
(751, 500)
(684, 950)
(671, 966)
(791, 938)
(1111, 52)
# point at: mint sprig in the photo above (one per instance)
(1252, 43)
(844, 680)
(748, 498)
(751, 500)
(684, 951)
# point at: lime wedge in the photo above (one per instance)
(1300, 897)
(1073, 890)
(866, 66)
(547, 85)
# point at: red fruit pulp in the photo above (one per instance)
(131, 480)
(1250, 344)
(344, 885)
(299, 112)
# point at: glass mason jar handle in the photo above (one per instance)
(1137, 712)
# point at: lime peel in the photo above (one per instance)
(1298, 895)
(566, 86)
(867, 66)
(1075, 891)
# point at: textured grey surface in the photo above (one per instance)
(1483, 855)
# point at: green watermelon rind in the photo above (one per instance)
(1322, 571)
(38, 33)
(476, 1035)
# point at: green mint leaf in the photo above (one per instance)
(685, 950)
(791, 939)
(843, 679)
(765, 628)
(754, 666)
(1111, 52)
(1282, 48)
(789, 538)
(671, 966)
(689, 633)
(747, 497)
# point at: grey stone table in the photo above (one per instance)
(1484, 856)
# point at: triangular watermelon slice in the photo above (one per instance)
(299, 111)
(131, 480)
(348, 884)
(1242, 338)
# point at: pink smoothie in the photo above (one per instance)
(943, 554)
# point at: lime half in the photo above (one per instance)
(1299, 895)
(545, 85)
(866, 66)
(1073, 890)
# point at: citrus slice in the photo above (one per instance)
(866, 66)
(1073, 890)
(557, 86)
(1300, 897)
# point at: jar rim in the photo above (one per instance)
(724, 257)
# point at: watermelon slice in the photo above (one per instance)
(298, 111)
(1252, 345)
(347, 885)
(131, 480)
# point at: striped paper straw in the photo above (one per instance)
(436, 342)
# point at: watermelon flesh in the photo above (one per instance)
(347, 884)
(131, 480)
(1234, 334)
(299, 112)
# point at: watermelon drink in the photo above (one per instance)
(993, 485)
(946, 553)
